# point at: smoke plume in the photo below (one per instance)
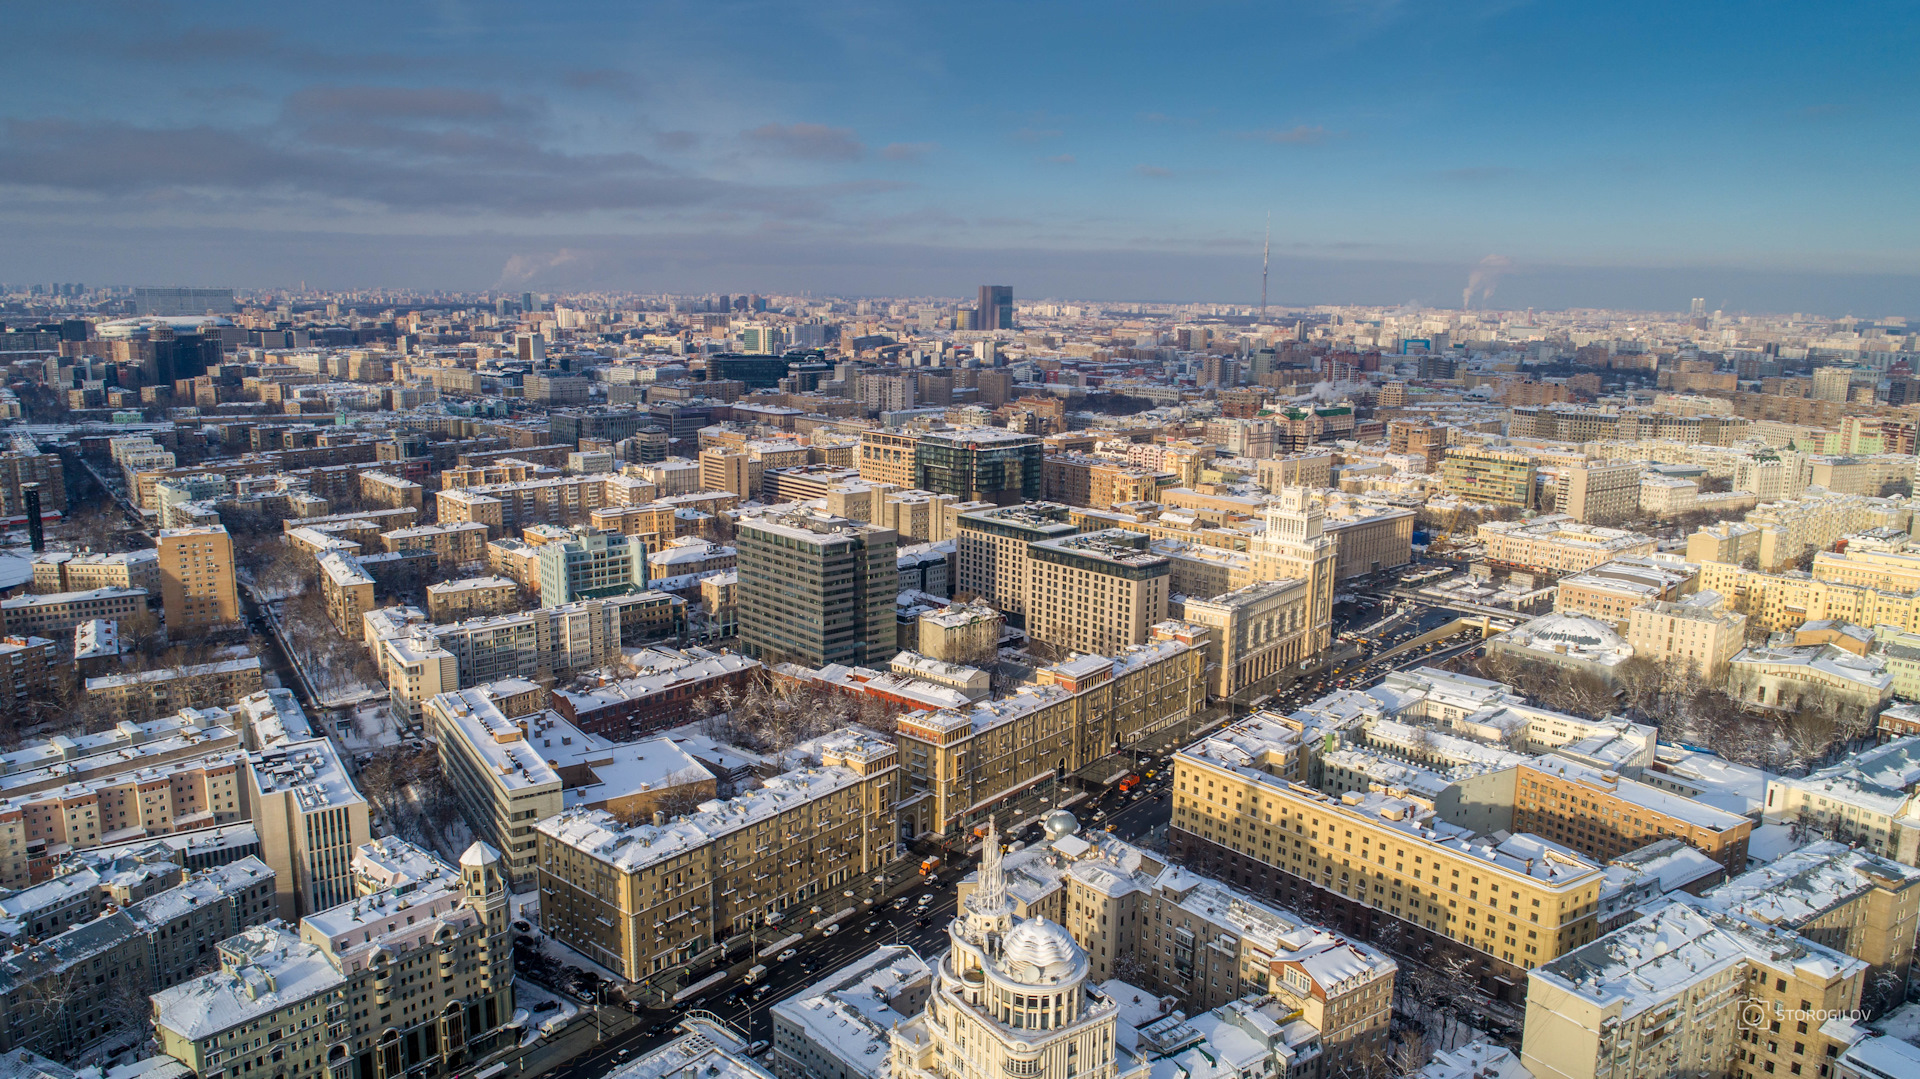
(1483, 279)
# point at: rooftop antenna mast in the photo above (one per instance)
(1266, 247)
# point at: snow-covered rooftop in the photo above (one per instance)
(849, 1012)
(265, 968)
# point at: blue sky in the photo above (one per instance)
(1619, 154)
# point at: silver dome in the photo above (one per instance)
(1059, 823)
(1043, 945)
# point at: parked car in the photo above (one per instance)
(546, 1006)
(754, 1049)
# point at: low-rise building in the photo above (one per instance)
(66, 571)
(1867, 800)
(472, 597)
(1555, 543)
(837, 1027)
(453, 545)
(1571, 643)
(1787, 678)
(161, 692)
(59, 612)
(658, 694)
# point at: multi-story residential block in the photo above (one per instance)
(1605, 815)
(1849, 900)
(29, 668)
(1075, 714)
(59, 612)
(1867, 800)
(657, 694)
(726, 469)
(1495, 477)
(347, 589)
(1368, 537)
(339, 1001)
(888, 456)
(1600, 492)
(453, 545)
(1695, 631)
(164, 691)
(562, 501)
(472, 597)
(591, 564)
(757, 862)
(1688, 990)
(1554, 543)
(511, 772)
(389, 491)
(1095, 592)
(816, 590)
(1259, 633)
(310, 818)
(993, 552)
(24, 464)
(1199, 941)
(197, 588)
(1611, 590)
(66, 571)
(1379, 863)
(959, 633)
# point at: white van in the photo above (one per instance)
(755, 974)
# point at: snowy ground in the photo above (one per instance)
(369, 725)
(530, 995)
(1902, 1022)
(526, 907)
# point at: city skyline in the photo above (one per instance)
(1564, 159)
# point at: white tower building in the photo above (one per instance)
(1011, 998)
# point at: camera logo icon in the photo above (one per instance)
(1753, 1014)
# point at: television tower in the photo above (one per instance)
(1266, 246)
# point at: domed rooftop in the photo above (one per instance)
(1043, 945)
(1060, 822)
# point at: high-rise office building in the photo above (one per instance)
(995, 310)
(593, 564)
(816, 590)
(980, 464)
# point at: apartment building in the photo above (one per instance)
(1695, 631)
(960, 762)
(167, 690)
(1849, 900)
(24, 464)
(993, 552)
(1259, 633)
(591, 564)
(453, 545)
(1494, 477)
(1554, 543)
(1605, 815)
(1600, 492)
(1178, 933)
(1368, 537)
(29, 669)
(1296, 470)
(197, 589)
(816, 590)
(347, 589)
(758, 862)
(414, 980)
(68, 571)
(1867, 800)
(562, 501)
(1379, 863)
(1688, 990)
(472, 597)
(736, 470)
(389, 491)
(659, 692)
(510, 772)
(310, 818)
(1611, 590)
(59, 612)
(1095, 592)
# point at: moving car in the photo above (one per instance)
(786, 955)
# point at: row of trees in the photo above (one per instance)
(772, 716)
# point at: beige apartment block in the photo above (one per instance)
(471, 597)
(992, 551)
(146, 694)
(730, 470)
(755, 865)
(1687, 990)
(960, 633)
(1096, 592)
(1555, 543)
(1600, 492)
(65, 571)
(60, 612)
(453, 545)
(1199, 940)
(417, 671)
(1368, 537)
(1695, 631)
(1849, 900)
(960, 762)
(1259, 633)
(1294, 470)
(311, 819)
(887, 456)
(197, 588)
(1502, 905)
(389, 491)
(1611, 590)
(347, 589)
(1605, 815)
